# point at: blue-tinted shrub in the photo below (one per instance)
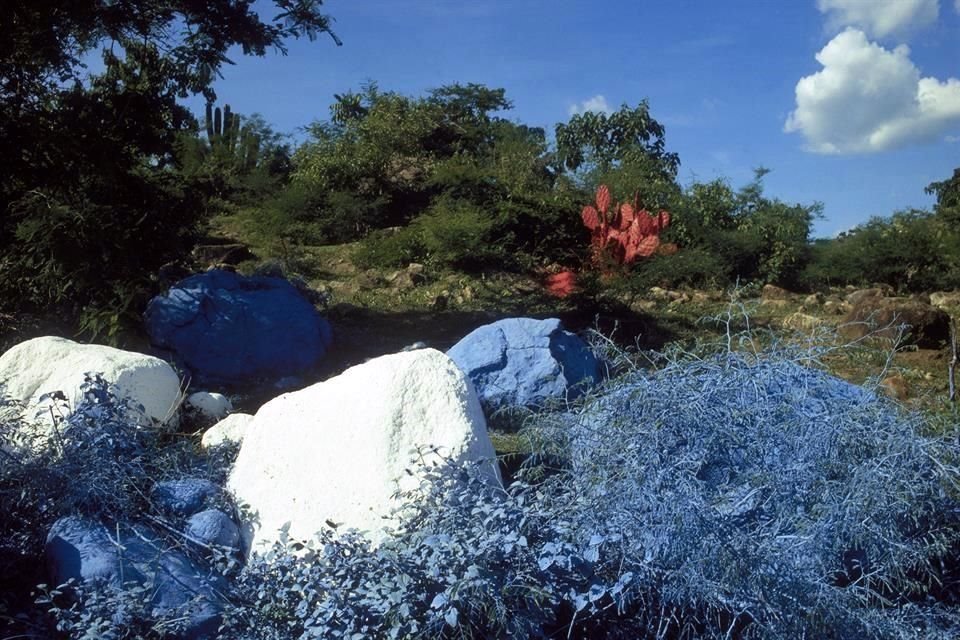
(723, 496)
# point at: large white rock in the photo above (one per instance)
(339, 450)
(43, 365)
(231, 429)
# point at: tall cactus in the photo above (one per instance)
(627, 232)
(224, 132)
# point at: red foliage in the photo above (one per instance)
(627, 233)
(561, 285)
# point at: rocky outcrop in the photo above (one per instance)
(926, 326)
(229, 430)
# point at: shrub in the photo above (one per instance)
(695, 268)
(459, 234)
(912, 251)
(389, 248)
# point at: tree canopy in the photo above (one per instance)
(89, 151)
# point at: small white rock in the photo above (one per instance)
(231, 429)
(214, 406)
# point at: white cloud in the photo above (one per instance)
(597, 104)
(881, 18)
(956, 5)
(867, 99)
(952, 139)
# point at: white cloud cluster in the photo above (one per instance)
(881, 18)
(597, 104)
(867, 98)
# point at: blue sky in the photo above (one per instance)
(853, 103)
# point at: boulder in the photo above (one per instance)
(522, 362)
(87, 551)
(184, 497)
(813, 301)
(40, 366)
(209, 406)
(928, 327)
(948, 300)
(339, 450)
(229, 328)
(229, 430)
(232, 254)
(213, 527)
(874, 292)
(836, 307)
(775, 303)
(773, 292)
(801, 322)
(659, 293)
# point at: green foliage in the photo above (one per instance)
(912, 251)
(386, 160)
(458, 234)
(381, 156)
(692, 267)
(948, 198)
(98, 246)
(599, 141)
(752, 237)
(98, 152)
(237, 165)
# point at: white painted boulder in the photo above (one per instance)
(208, 405)
(44, 365)
(231, 429)
(339, 450)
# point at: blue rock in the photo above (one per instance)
(85, 551)
(229, 328)
(184, 497)
(214, 527)
(522, 362)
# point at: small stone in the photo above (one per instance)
(801, 322)
(773, 292)
(214, 527)
(184, 497)
(896, 387)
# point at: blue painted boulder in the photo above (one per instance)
(522, 362)
(229, 328)
(104, 555)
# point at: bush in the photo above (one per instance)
(695, 268)
(728, 495)
(452, 233)
(912, 251)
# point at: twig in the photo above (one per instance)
(952, 367)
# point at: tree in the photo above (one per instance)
(95, 153)
(603, 141)
(948, 198)
(371, 164)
